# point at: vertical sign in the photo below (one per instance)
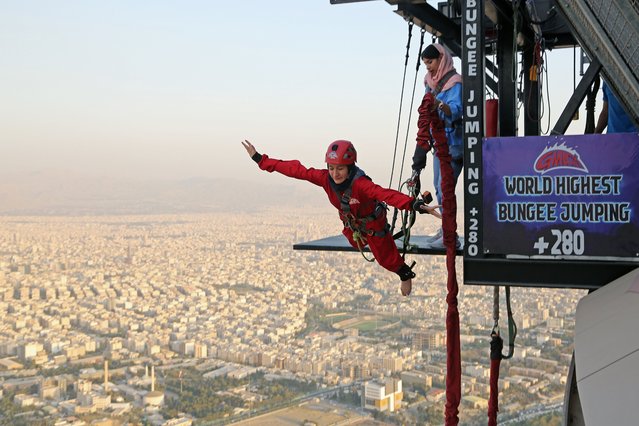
(473, 75)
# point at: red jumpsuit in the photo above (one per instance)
(364, 197)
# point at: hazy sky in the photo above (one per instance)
(141, 88)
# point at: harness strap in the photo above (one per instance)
(358, 224)
(438, 88)
(512, 327)
(442, 82)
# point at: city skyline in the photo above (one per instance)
(227, 294)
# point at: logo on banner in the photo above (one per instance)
(559, 156)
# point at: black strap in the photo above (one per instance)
(496, 346)
(443, 81)
(438, 89)
(345, 199)
(359, 223)
(440, 86)
(405, 272)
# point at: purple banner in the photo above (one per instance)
(562, 196)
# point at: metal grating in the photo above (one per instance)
(608, 30)
(620, 26)
(419, 244)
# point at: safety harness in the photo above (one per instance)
(358, 224)
(442, 81)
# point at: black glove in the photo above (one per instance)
(419, 158)
(417, 206)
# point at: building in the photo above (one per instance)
(428, 340)
(153, 398)
(200, 351)
(386, 396)
(417, 378)
(29, 350)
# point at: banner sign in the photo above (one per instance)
(562, 196)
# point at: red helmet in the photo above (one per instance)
(341, 152)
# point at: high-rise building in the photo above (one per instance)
(428, 340)
(200, 350)
(385, 396)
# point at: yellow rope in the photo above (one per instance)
(408, 218)
(358, 238)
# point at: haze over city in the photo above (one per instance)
(167, 90)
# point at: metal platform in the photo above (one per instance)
(340, 243)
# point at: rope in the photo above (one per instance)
(401, 100)
(495, 310)
(412, 101)
(429, 119)
(512, 327)
(395, 210)
(546, 74)
(359, 239)
(541, 76)
(496, 346)
(496, 355)
(408, 218)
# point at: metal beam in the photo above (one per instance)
(443, 27)
(543, 273)
(431, 18)
(419, 245)
(577, 98)
(608, 30)
(506, 57)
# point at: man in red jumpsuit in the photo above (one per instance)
(358, 200)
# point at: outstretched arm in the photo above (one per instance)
(396, 198)
(290, 168)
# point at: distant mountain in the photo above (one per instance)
(55, 193)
